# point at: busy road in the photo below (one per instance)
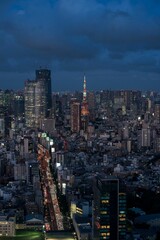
(52, 216)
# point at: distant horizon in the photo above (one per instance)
(74, 81)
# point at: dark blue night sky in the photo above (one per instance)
(115, 42)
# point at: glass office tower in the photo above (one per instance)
(38, 98)
(109, 210)
(43, 77)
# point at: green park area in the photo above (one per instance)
(60, 236)
(25, 235)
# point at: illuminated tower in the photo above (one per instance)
(84, 108)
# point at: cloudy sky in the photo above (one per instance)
(115, 42)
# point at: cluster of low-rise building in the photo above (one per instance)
(20, 187)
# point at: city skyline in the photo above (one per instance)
(116, 43)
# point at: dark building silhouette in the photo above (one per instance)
(75, 115)
(43, 76)
(109, 215)
(18, 104)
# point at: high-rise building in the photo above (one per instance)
(29, 94)
(157, 111)
(156, 144)
(18, 104)
(38, 98)
(144, 137)
(75, 115)
(84, 108)
(2, 127)
(43, 77)
(6, 109)
(91, 105)
(109, 214)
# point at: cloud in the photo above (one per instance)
(80, 35)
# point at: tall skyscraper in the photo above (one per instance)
(91, 105)
(18, 104)
(29, 94)
(38, 98)
(6, 110)
(75, 115)
(84, 108)
(109, 215)
(157, 111)
(43, 77)
(144, 136)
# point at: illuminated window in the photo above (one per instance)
(103, 212)
(103, 234)
(105, 201)
(103, 226)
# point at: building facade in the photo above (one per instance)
(7, 226)
(43, 77)
(109, 214)
(29, 93)
(75, 116)
(38, 98)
